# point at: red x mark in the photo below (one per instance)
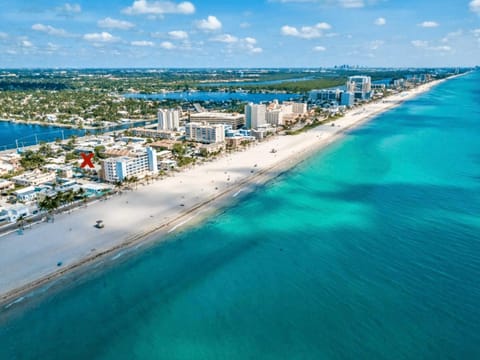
(87, 160)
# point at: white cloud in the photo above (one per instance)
(289, 30)
(142, 43)
(249, 45)
(245, 25)
(178, 34)
(225, 38)
(256, 50)
(374, 45)
(380, 21)
(109, 23)
(342, 3)
(233, 43)
(3, 35)
(167, 45)
(452, 35)
(352, 3)
(52, 47)
(323, 26)
(444, 48)
(476, 33)
(428, 24)
(103, 37)
(211, 23)
(419, 43)
(475, 6)
(145, 7)
(50, 30)
(319, 48)
(69, 9)
(26, 44)
(425, 45)
(306, 32)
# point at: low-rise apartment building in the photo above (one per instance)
(219, 118)
(34, 178)
(204, 133)
(137, 164)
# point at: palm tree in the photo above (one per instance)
(118, 185)
(50, 204)
(21, 222)
(69, 197)
(132, 180)
(80, 192)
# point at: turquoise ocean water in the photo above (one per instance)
(369, 250)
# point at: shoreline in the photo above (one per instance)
(68, 126)
(201, 203)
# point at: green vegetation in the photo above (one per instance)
(312, 125)
(298, 86)
(50, 204)
(89, 98)
(74, 108)
(100, 152)
(179, 149)
(35, 159)
(32, 160)
(184, 160)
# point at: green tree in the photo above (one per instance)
(50, 204)
(21, 222)
(68, 197)
(204, 152)
(99, 152)
(32, 160)
(46, 150)
(179, 149)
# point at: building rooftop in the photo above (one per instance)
(217, 115)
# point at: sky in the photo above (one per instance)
(243, 33)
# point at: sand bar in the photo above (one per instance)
(165, 206)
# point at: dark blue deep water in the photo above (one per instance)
(217, 96)
(14, 135)
(368, 250)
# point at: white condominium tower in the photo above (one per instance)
(136, 164)
(360, 86)
(168, 119)
(204, 133)
(255, 115)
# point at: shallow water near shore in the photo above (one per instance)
(368, 250)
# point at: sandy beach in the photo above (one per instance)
(154, 211)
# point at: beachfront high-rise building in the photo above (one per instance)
(277, 114)
(137, 164)
(204, 133)
(168, 119)
(360, 86)
(325, 95)
(255, 115)
(274, 117)
(296, 107)
(214, 118)
(347, 98)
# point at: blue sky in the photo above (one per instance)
(247, 33)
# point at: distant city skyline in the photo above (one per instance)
(266, 33)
